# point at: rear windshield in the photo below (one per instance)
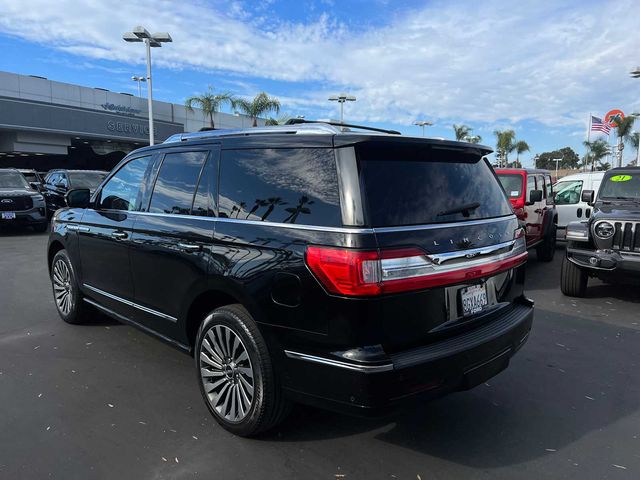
(512, 184)
(420, 185)
(88, 180)
(621, 186)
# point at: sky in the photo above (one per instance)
(538, 67)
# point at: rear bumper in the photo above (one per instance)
(34, 216)
(422, 373)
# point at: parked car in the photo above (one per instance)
(532, 198)
(569, 202)
(348, 270)
(58, 182)
(607, 244)
(33, 177)
(20, 203)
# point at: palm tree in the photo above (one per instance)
(474, 139)
(635, 143)
(597, 150)
(623, 132)
(209, 103)
(462, 132)
(261, 104)
(521, 147)
(505, 144)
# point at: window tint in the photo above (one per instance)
(512, 184)
(280, 185)
(204, 200)
(568, 192)
(122, 190)
(413, 185)
(176, 182)
(89, 180)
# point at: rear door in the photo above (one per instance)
(104, 236)
(448, 204)
(172, 238)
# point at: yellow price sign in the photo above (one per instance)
(621, 178)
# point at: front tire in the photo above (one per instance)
(66, 292)
(573, 279)
(235, 373)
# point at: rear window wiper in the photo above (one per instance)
(465, 209)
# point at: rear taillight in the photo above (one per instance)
(367, 273)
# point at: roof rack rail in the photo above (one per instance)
(296, 121)
(314, 128)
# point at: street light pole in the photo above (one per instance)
(423, 123)
(557, 160)
(341, 99)
(139, 79)
(140, 34)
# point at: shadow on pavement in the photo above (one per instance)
(553, 394)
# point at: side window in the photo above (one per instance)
(64, 183)
(568, 192)
(549, 188)
(176, 182)
(531, 185)
(541, 186)
(280, 185)
(52, 178)
(122, 190)
(205, 197)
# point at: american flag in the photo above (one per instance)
(597, 125)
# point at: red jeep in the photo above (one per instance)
(531, 195)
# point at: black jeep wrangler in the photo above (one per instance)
(607, 245)
(307, 263)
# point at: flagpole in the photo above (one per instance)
(589, 140)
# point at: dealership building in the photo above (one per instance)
(46, 124)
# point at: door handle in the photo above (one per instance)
(190, 247)
(119, 235)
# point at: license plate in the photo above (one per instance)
(474, 299)
(8, 215)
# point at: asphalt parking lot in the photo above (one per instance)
(107, 401)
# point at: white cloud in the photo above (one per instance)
(481, 62)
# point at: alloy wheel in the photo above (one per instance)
(62, 287)
(226, 373)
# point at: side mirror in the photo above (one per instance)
(535, 196)
(78, 198)
(588, 196)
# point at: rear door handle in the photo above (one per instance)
(190, 247)
(119, 235)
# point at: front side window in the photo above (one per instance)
(290, 185)
(568, 192)
(531, 185)
(176, 182)
(122, 190)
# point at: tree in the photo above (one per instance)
(474, 139)
(260, 105)
(635, 143)
(570, 159)
(623, 132)
(521, 147)
(597, 150)
(209, 103)
(505, 144)
(463, 134)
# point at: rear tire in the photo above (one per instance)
(573, 279)
(66, 292)
(547, 249)
(235, 373)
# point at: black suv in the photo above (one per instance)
(607, 245)
(20, 203)
(58, 182)
(308, 263)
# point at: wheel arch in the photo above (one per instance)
(54, 247)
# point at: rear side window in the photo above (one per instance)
(512, 184)
(289, 185)
(176, 182)
(413, 185)
(122, 190)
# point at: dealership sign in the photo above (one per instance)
(128, 127)
(612, 115)
(123, 109)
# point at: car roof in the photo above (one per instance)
(75, 170)
(581, 176)
(523, 170)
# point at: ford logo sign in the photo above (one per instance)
(6, 200)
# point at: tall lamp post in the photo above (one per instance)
(557, 160)
(423, 123)
(140, 34)
(135, 78)
(341, 99)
